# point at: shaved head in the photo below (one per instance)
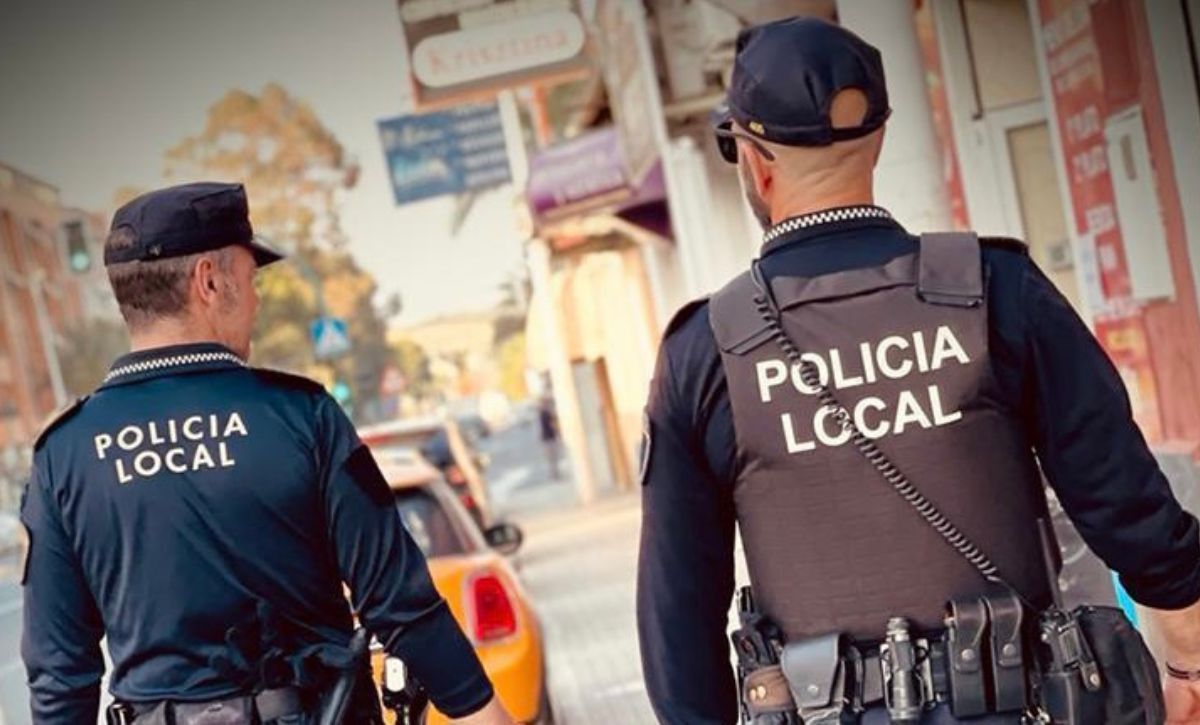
(809, 178)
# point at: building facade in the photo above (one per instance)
(38, 299)
(1070, 124)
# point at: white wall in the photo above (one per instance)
(909, 180)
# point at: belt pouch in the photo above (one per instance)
(965, 629)
(234, 711)
(1007, 659)
(159, 714)
(815, 675)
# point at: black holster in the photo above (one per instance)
(1096, 668)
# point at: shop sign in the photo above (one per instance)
(585, 175)
(628, 73)
(464, 50)
(446, 152)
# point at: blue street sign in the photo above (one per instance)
(330, 338)
(447, 152)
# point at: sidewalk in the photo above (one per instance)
(579, 565)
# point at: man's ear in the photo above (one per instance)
(204, 280)
(879, 145)
(761, 171)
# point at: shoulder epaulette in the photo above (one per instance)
(683, 314)
(289, 380)
(57, 418)
(1006, 243)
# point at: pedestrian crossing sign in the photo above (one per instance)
(330, 338)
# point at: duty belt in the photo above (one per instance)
(822, 677)
(265, 707)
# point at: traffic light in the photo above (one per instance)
(79, 257)
(340, 392)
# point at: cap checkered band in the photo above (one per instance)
(164, 363)
(829, 216)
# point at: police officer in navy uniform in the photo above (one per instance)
(955, 357)
(202, 515)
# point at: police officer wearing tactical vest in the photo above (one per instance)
(871, 410)
(202, 514)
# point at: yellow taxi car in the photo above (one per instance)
(470, 571)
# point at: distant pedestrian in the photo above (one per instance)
(548, 424)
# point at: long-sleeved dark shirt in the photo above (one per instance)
(181, 496)
(1055, 376)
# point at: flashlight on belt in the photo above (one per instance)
(903, 692)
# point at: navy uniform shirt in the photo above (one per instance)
(1055, 374)
(184, 492)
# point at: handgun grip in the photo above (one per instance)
(334, 709)
(1067, 702)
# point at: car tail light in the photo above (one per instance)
(492, 615)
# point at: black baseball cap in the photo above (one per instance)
(187, 219)
(785, 77)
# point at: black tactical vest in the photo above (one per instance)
(904, 347)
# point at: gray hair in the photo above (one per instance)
(150, 291)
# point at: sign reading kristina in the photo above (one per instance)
(466, 49)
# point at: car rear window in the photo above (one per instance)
(429, 523)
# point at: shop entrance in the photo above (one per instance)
(1003, 131)
(1012, 185)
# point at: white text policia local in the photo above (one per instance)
(894, 357)
(197, 442)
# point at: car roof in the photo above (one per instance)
(402, 427)
(404, 468)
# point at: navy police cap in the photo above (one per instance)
(785, 77)
(187, 219)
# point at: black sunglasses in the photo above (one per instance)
(727, 143)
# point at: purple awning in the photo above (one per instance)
(586, 175)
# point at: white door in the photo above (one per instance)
(1030, 196)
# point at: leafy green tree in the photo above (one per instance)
(294, 170)
(413, 363)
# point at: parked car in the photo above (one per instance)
(443, 444)
(472, 573)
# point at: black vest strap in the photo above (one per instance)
(949, 270)
(734, 320)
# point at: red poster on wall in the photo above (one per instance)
(939, 105)
(1128, 345)
(1070, 36)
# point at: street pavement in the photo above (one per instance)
(14, 696)
(578, 565)
(579, 569)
